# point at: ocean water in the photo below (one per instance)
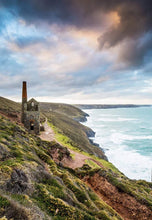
(125, 134)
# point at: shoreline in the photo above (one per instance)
(118, 148)
(92, 135)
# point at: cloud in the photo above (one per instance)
(136, 52)
(86, 13)
(131, 20)
(85, 48)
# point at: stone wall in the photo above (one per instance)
(32, 116)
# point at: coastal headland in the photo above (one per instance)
(60, 174)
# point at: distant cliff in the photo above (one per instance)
(102, 106)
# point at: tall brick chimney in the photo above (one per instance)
(24, 92)
(24, 100)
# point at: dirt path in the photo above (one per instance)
(48, 133)
(78, 158)
(77, 161)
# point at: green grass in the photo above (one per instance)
(54, 190)
(80, 195)
(72, 133)
(57, 207)
(68, 110)
(4, 203)
(91, 163)
(66, 141)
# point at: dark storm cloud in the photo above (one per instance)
(135, 15)
(137, 52)
(135, 19)
(74, 12)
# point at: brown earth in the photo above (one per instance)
(79, 159)
(127, 206)
(14, 117)
(47, 134)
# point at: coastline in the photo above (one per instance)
(128, 150)
(108, 106)
(91, 135)
(64, 172)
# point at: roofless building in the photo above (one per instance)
(30, 112)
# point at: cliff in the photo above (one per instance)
(65, 109)
(102, 106)
(38, 179)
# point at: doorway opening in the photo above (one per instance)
(32, 125)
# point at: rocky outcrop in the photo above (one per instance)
(90, 133)
(18, 183)
(82, 118)
(4, 152)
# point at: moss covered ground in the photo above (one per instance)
(33, 186)
(30, 180)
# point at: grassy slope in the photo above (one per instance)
(76, 132)
(65, 109)
(50, 190)
(8, 106)
(41, 189)
(61, 116)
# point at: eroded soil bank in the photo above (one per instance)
(127, 206)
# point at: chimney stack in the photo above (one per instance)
(24, 100)
(24, 92)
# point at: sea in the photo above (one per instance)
(125, 135)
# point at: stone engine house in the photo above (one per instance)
(30, 112)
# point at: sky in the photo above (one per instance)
(77, 51)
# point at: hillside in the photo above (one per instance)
(10, 109)
(74, 133)
(33, 186)
(70, 110)
(38, 181)
(8, 106)
(61, 117)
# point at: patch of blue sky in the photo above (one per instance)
(13, 29)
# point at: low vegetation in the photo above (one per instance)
(30, 180)
(34, 185)
(73, 133)
(68, 110)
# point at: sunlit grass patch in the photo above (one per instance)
(92, 164)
